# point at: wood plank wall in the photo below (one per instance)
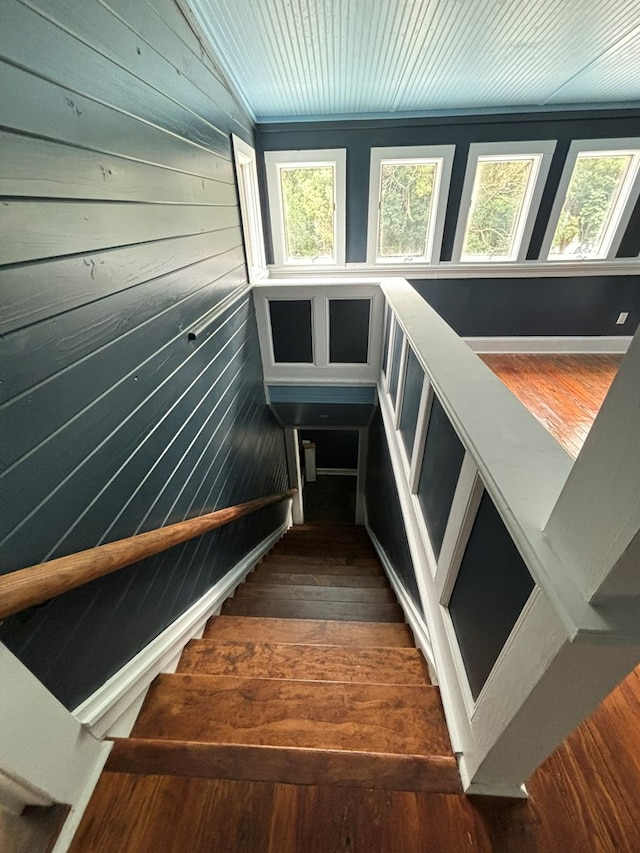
(119, 228)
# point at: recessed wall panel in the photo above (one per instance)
(492, 587)
(413, 380)
(395, 362)
(291, 331)
(349, 331)
(443, 455)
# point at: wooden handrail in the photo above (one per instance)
(33, 585)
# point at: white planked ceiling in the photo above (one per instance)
(294, 59)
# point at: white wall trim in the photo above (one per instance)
(101, 711)
(74, 817)
(447, 269)
(338, 472)
(413, 616)
(533, 344)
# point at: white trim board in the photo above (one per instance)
(413, 616)
(110, 704)
(530, 344)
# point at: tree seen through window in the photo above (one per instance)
(589, 205)
(308, 209)
(406, 201)
(496, 208)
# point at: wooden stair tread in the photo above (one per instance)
(333, 565)
(299, 592)
(375, 718)
(318, 579)
(310, 631)
(295, 661)
(335, 610)
(292, 765)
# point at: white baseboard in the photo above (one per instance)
(113, 707)
(604, 344)
(413, 616)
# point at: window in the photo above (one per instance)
(502, 190)
(307, 206)
(408, 192)
(247, 178)
(596, 194)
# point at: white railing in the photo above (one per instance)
(571, 529)
(562, 655)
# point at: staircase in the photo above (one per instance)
(309, 676)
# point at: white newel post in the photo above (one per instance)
(596, 520)
(46, 756)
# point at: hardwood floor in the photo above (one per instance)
(564, 392)
(584, 798)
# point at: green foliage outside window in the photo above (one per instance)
(308, 204)
(406, 196)
(499, 193)
(590, 200)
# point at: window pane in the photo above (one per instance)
(308, 209)
(590, 204)
(497, 208)
(406, 203)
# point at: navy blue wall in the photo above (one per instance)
(384, 513)
(120, 229)
(562, 306)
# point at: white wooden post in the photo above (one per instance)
(595, 524)
(46, 756)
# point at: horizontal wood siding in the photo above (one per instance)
(119, 229)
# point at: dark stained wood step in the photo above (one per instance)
(372, 718)
(337, 610)
(298, 662)
(333, 549)
(310, 631)
(291, 765)
(333, 565)
(316, 579)
(298, 592)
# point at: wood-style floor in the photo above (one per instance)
(584, 799)
(564, 392)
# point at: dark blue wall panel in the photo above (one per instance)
(492, 587)
(439, 473)
(560, 306)
(584, 305)
(335, 448)
(113, 422)
(384, 513)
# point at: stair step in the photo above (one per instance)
(299, 662)
(328, 565)
(309, 631)
(337, 610)
(298, 592)
(328, 550)
(289, 765)
(378, 718)
(317, 579)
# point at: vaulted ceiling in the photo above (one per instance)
(297, 59)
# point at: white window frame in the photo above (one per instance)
(250, 211)
(274, 162)
(542, 152)
(442, 156)
(622, 210)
